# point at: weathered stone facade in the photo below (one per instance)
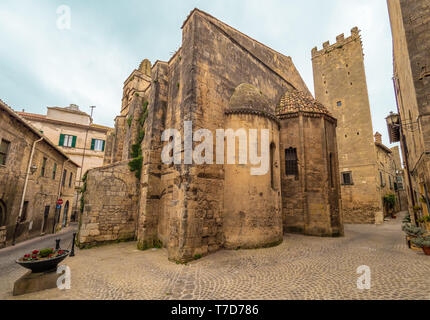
(222, 79)
(70, 121)
(410, 25)
(111, 216)
(52, 176)
(340, 84)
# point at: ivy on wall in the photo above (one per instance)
(136, 161)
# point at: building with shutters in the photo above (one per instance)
(74, 132)
(34, 174)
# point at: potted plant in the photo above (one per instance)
(423, 243)
(412, 232)
(390, 203)
(427, 222)
(407, 219)
(417, 208)
(44, 260)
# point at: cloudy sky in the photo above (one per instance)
(42, 65)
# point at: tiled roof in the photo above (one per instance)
(33, 115)
(4, 106)
(68, 109)
(295, 101)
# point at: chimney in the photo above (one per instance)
(378, 138)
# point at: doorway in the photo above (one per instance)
(65, 213)
(45, 218)
(2, 213)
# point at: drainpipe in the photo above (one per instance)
(60, 189)
(405, 150)
(25, 188)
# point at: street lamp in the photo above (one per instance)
(394, 125)
(33, 169)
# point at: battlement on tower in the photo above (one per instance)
(340, 42)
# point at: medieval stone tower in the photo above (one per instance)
(340, 84)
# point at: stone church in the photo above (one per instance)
(219, 79)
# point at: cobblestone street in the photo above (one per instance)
(301, 268)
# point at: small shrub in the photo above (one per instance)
(46, 252)
(407, 219)
(129, 121)
(417, 208)
(390, 201)
(198, 256)
(412, 230)
(421, 242)
(136, 166)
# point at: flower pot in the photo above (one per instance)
(43, 265)
(408, 242)
(426, 251)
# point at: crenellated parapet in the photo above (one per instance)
(340, 42)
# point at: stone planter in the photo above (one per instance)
(43, 265)
(2, 237)
(426, 251)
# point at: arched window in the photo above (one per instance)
(291, 162)
(272, 165)
(2, 213)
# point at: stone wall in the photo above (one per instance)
(2, 237)
(311, 200)
(110, 205)
(410, 22)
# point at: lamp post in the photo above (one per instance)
(83, 158)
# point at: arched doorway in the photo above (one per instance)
(65, 213)
(2, 213)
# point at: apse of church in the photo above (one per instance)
(219, 79)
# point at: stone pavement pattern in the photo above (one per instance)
(301, 268)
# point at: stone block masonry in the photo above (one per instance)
(110, 205)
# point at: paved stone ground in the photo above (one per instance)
(301, 268)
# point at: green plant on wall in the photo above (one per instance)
(82, 191)
(129, 121)
(136, 161)
(390, 201)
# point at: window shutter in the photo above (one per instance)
(74, 142)
(104, 143)
(93, 144)
(61, 143)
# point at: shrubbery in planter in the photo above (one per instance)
(44, 254)
(421, 242)
(412, 231)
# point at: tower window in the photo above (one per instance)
(42, 172)
(382, 180)
(4, 150)
(291, 162)
(347, 178)
(339, 103)
(272, 165)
